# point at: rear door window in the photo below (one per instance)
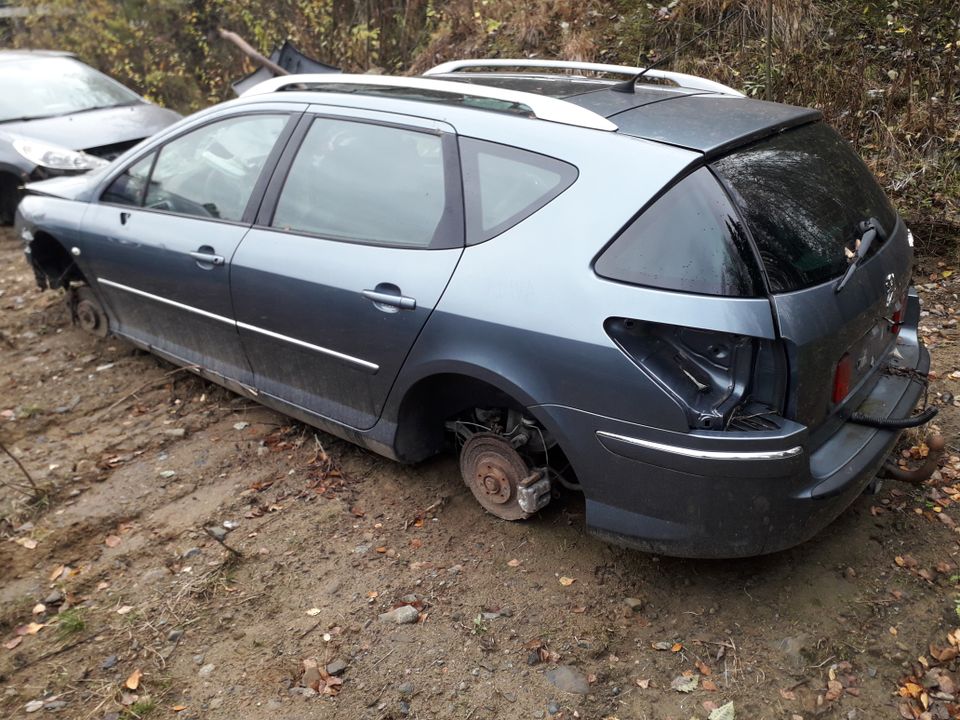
(690, 240)
(504, 185)
(369, 183)
(803, 194)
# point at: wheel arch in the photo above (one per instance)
(52, 262)
(433, 398)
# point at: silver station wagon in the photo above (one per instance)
(691, 306)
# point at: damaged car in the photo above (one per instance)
(61, 117)
(692, 307)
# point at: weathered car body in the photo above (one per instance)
(583, 284)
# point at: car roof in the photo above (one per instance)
(691, 112)
(26, 54)
(701, 120)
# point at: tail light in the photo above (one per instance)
(841, 378)
(710, 374)
(897, 320)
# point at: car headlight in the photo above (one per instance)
(55, 157)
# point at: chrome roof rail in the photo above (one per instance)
(541, 107)
(682, 79)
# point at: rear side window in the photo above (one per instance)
(690, 240)
(802, 195)
(504, 185)
(367, 183)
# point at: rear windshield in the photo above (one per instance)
(803, 195)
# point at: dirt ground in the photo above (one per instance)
(117, 603)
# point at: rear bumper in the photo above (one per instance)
(732, 494)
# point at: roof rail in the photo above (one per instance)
(682, 79)
(540, 107)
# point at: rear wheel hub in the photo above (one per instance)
(495, 473)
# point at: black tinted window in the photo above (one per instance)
(367, 183)
(210, 172)
(803, 194)
(128, 187)
(504, 185)
(690, 239)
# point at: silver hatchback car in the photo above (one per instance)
(691, 306)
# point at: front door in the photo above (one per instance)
(334, 284)
(161, 238)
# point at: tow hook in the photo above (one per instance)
(919, 475)
(533, 492)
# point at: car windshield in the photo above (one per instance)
(48, 86)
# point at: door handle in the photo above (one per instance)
(202, 257)
(124, 216)
(401, 302)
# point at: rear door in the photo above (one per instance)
(360, 232)
(804, 195)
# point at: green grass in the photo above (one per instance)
(70, 622)
(142, 708)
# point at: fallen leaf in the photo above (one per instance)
(133, 682)
(39, 609)
(513, 563)
(313, 612)
(567, 581)
(111, 541)
(662, 645)
(382, 549)
(28, 543)
(685, 684)
(11, 644)
(676, 647)
(703, 668)
(643, 683)
(725, 712)
(124, 609)
(709, 685)
(179, 708)
(57, 572)
(128, 699)
(34, 627)
(787, 694)
(357, 512)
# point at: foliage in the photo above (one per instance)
(884, 72)
(70, 622)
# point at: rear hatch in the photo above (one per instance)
(804, 194)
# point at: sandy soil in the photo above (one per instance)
(137, 611)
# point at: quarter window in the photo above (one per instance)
(211, 172)
(505, 185)
(367, 183)
(691, 239)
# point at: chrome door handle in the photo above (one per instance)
(207, 258)
(401, 302)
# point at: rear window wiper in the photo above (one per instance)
(870, 230)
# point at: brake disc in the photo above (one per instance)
(499, 478)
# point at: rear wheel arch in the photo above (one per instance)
(432, 400)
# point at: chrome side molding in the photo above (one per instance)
(747, 455)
